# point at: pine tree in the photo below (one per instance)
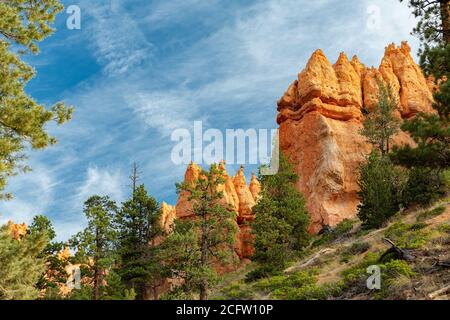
(137, 224)
(380, 184)
(281, 222)
(199, 245)
(95, 245)
(115, 289)
(431, 132)
(23, 24)
(380, 125)
(21, 264)
(55, 274)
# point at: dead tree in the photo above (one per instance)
(399, 253)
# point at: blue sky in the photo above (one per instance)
(139, 69)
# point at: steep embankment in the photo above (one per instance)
(335, 266)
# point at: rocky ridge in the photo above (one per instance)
(320, 117)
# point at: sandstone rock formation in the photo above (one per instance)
(183, 208)
(168, 215)
(65, 254)
(255, 187)
(237, 196)
(18, 231)
(320, 117)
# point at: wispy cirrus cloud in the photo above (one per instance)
(118, 42)
(102, 182)
(33, 194)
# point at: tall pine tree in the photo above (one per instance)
(23, 24)
(95, 245)
(55, 274)
(380, 125)
(22, 264)
(200, 245)
(380, 182)
(137, 225)
(281, 222)
(431, 132)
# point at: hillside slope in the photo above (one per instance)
(335, 266)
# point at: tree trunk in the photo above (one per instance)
(96, 284)
(204, 261)
(97, 271)
(445, 18)
(204, 291)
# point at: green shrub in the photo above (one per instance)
(295, 280)
(357, 274)
(429, 214)
(237, 291)
(395, 268)
(380, 185)
(424, 186)
(262, 271)
(308, 292)
(411, 236)
(342, 229)
(355, 277)
(355, 248)
(395, 274)
(444, 228)
(323, 239)
(298, 286)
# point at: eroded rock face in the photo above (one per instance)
(168, 215)
(237, 196)
(18, 231)
(255, 187)
(320, 117)
(184, 207)
(246, 201)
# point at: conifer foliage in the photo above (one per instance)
(200, 244)
(281, 221)
(23, 24)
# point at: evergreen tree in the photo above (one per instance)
(380, 182)
(380, 186)
(21, 264)
(380, 125)
(137, 222)
(23, 24)
(115, 289)
(281, 222)
(431, 132)
(55, 273)
(96, 243)
(199, 245)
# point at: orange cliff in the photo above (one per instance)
(237, 195)
(18, 231)
(320, 117)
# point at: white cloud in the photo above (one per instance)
(102, 182)
(164, 12)
(118, 42)
(164, 111)
(33, 194)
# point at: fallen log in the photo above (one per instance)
(401, 254)
(439, 292)
(445, 264)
